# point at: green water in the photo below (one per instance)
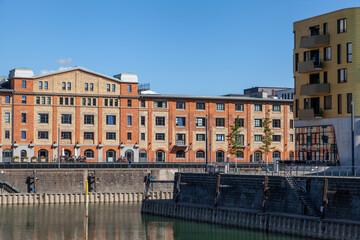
(110, 221)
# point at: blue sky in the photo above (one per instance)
(195, 47)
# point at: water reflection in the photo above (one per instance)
(108, 221)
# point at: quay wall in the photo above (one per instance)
(246, 192)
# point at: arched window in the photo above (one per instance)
(160, 156)
(43, 155)
(129, 154)
(7, 155)
(258, 156)
(276, 156)
(142, 156)
(89, 153)
(110, 155)
(180, 154)
(23, 154)
(220, 156)
(291, 156)
(200, 154)
(239, 155)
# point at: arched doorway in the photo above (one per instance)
(110, 156)
(23, 155)
(43, 155)
(276, 156)
(129, 154)
(200, 154)
(142, 156)
(7, 155)
(291, 156)
(88, 153)
(220, 156)
(160, 156)
(67, 153)
(258, 156)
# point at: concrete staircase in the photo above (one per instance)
(302, 194)
(8, 187)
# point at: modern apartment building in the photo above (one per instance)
(327, 74)
(83, 113)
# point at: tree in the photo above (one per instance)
(235, 139)
(267, 138)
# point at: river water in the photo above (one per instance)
(110, 221)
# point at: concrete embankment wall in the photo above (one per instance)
(281, 223)
(246, 192)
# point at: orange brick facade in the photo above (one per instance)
(105, 118)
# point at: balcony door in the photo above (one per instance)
(312, 103)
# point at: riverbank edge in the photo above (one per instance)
(303, 226)
(70, 198)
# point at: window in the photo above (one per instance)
(276, 138)
(349, 52)
(239, 122)
(327, 53)
(257, 122)
(160, 104)
(325, 28)
(142, 120)
(160, 136)
(327, 102)
(258, 108)
(106, 102)
(91, 87)
(129, 120)
(113, 87)
(86, 86)
(94, 102)
(341, 25)
(257, 138)
(220, 122)
(89, 119)
(7, 117)
(142, 103)
(180, 154)
(291, 108)
(40, 85)
(88, 153)
(200, 106)
(129, 136)
(349, 100)
(108, 87)
(49, 100)
(23, 84)
(63, 85)
(42, 100)
(276, 123)
(240, 139)
(88, 135)
(239, 107)
(66, 118)
(66, 135)
(291, 123)
(69, 86)
(23, 117)
(61, 101)
(89, 101)
(111, 120)
(200, 137)
(239, 155)
(110, 136)
(339, 104)
(180, 105)
(46, 85)
(66, 101)
(7, 99)
(128, 88)
(160, 121)
(220, 106)
(342, 75)
(200, 154)
(180, 139)
(200, 122)
(291, 137)
(84, 101)
(339, 53)
(296, 62)
(43, 135)
(180, 121)
(7, 134)
(142, 136)
(23, 134)
(23, 99)
(325, 77)
(220, 137)
(129, 102)
(71, 101)
(111, 102)
(43, 118)
(315, 30)
(276, 108)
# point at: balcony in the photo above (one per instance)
(309, 66)
(314, 41)
(315, 89)
(309, 114)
